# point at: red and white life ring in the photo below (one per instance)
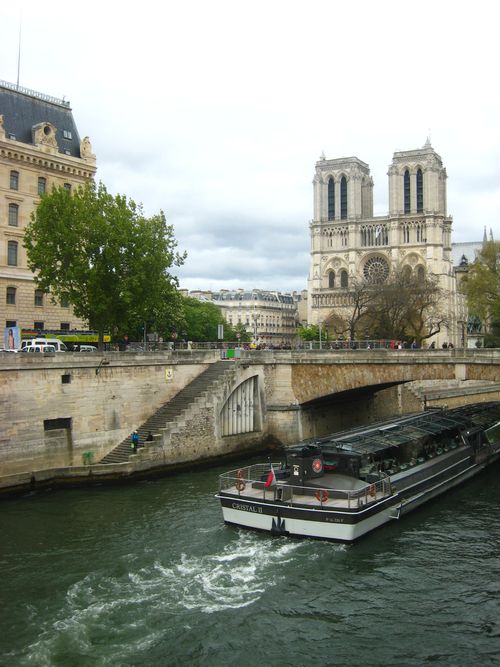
(317, 465)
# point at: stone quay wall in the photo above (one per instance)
(54, 408)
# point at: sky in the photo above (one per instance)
(216, 112)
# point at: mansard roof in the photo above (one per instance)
(22, 109)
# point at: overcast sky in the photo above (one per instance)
(216, 111)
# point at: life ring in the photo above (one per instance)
(317, 465)
(321, 495)
(372, 490)
(240, 484)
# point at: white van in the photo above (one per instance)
(58, 345)
(34, 347)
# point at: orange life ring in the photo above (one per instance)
(372, 491)
(240, 484)
(321, 495)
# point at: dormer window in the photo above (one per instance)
(67, 134)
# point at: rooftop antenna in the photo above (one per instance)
(19, 48)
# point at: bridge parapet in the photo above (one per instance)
(379, 356)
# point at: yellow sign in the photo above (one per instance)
(169, 374)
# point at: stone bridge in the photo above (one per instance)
(58, 408)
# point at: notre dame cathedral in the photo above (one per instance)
(349, 243)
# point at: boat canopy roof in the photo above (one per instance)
(403, 430)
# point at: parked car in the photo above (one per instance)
(86, 348)
(57, 344)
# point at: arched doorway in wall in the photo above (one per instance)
(241, 411)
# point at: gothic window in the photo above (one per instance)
(376, 270)
(42, 185)
(13, 215)
(11, 296)
(12, 253)
(331, 279)
(344, 278)
(407, 191)
(420, 191)
(38, 297)
(407, 273)
(343, 198)
(331, 199)
(14, 180)
(420, 231)
(420, 274)
(406, 233)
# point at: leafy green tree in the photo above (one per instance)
(310, 332)
(244, 335)
(200, 319)
(482, 284)
(101, 254)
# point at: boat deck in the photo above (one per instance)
(343, 492)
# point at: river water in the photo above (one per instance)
(148, 574)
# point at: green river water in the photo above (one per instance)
(148, 574)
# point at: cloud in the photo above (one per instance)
(217, 112)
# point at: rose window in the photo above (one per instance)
(376, 270)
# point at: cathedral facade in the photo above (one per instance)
(349, 243)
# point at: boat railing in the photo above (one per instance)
(254, 477)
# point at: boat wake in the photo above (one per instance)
(235, 578)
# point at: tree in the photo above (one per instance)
(482, 284)
(310, 332)
(200, 320)
(361, 297)
(406, 306)
(101, 254)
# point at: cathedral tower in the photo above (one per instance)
(349, 243)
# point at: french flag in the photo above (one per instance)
(271, 478)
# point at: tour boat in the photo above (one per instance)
(344, 485)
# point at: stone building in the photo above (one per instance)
(349, 243)
(270, 317)
(39, 148)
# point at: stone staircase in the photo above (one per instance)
(170, 411)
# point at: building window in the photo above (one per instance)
(12, 253)
(38, 326)
(420, 191)
(42, 185)
(343, 198)
(331, 199)
(11, 296)
(64, 326)
(67, 134)
(331, 279)
(67, 186)
(14, 180)
(344, 278)
(11, 323)
(420, 274)
(407, 191)
(64, 302)
(376, 270)
(38, 297)
(13, 215)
